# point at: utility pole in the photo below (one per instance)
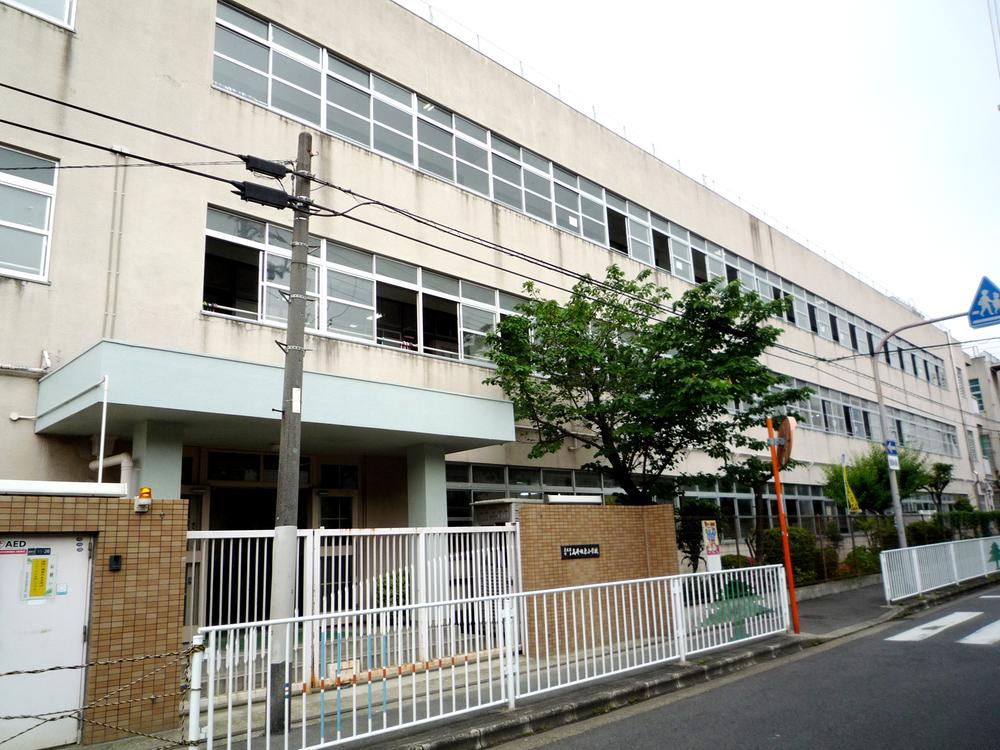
(897, 504)
(285, 552)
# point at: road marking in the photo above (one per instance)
(990, 596)
(984, 636)
(934, 627)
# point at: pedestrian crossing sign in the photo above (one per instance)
(985, 310)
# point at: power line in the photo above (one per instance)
(119, 152)
(994, 13)
(121, 166)
(495, 246)
(439, 226)
(122, 121)
(403, 235)
(909, 348)
(415, 217)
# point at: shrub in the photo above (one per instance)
(801, 544)
(833, 533)
(862, 561)
(925, 532)
(729, 562)
(826, 563)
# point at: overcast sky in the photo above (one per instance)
(868, 128)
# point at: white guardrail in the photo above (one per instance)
(916, 570)
(384, 669)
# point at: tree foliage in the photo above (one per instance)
(639, 385)
(936, 479)
(868, 475)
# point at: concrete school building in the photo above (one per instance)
(167, 289)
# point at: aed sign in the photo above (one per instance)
(13, 546)
(580, 551)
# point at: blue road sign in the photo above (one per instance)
(890, 448)
(985, 310)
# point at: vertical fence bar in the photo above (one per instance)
(915, 563)
(677, 605)
(194, 694)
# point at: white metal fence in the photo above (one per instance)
(229, 575)
(915, 570)
(376, 670)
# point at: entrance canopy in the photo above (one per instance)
(219, 401)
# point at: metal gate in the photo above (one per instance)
(229, 575)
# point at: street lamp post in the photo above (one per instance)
(897, 505)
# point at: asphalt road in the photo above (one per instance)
(924, 690)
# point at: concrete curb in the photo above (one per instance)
(923, 602)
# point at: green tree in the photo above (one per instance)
(639, 384)
(868, 475)
(936, 479)
(962, 505)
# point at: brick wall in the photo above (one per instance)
(135, 611)
(635, 542)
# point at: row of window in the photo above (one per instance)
(268, 64)
(375, 299)
(469, 483)
(842, 414)
(352, 294)
(58, 11)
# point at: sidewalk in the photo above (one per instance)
(821, 620)
(836, 615)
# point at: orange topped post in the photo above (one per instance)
(781, 511)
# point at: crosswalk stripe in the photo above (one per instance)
(986, 636)
(934, 627)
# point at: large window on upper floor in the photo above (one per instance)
(352, 293)
(27, 196)
(59, 11)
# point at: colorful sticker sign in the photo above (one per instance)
(710, 537)
(39, 581)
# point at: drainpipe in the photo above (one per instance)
(119, 459)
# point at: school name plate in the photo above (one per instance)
(580, 551)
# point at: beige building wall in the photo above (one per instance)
(128, 244)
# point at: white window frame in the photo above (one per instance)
(40, 188)
(66, 23)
